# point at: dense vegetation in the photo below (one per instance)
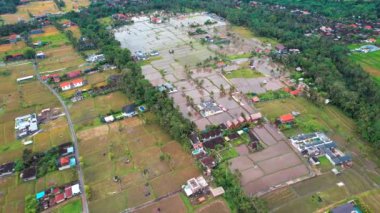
(335, 9)
(8, 6)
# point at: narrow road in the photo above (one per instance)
(169, 195)
(73, 137)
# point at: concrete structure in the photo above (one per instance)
(194, 185)
(26, 125)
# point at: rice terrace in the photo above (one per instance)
(189, 106)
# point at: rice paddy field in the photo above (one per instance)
(358, 179)
(35, 8)
(131, 150)
(75, 4)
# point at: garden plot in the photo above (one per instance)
(260, 171)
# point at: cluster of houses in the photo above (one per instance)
(142, 56)
(67, 156)
(56, 195)
(241, 121)
(75, 83)
(66, 159)
(317, 144)
(214, 138)
(26, 125)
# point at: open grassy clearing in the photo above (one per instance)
(73, 206)
(246, 33)
(35, 8)
(106, 149)
(243, 73)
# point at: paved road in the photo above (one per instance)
(73, 138)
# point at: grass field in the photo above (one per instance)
(246, 33)
(74, 206)
(325, 164)
(243, 73)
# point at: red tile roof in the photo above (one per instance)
(74, 74)
(64, 84)
(64, 161)
(59, 198)
(286, 118)
(68, 192)
(77, 81)
(13, 37)
(295, 92)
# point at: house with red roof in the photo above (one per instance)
(59, 198)
(368, 27)
(13, 38)
(68, 192)
(286, 119)
(77, 82)
(74, 74)
(65, 86)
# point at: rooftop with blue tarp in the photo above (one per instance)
(40, 195)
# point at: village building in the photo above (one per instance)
(209, 108)
(74, 74)
(7, 169)
(349, 207)
(318, 144)
(40, 55)
(66, 162)
(30, 77)
(129, 110)
(195, 186)
(66, 149)
(65, 86)
(29, 174)
(286, 119)
(26, 125)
